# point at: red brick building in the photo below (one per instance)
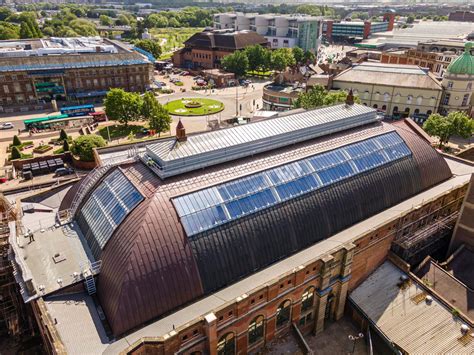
(205, 50)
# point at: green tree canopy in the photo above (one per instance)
(66, 147)
(157, 116)
(258, 57)
(16, 140)
(105, 20)
(9, 30)
(282, 58)
(83, 146)
(149, 45)
(123, 106)
(16, 154)
(298, 54)
(236, 63)
(63, 135)
(83, 27)
(410, 19)
(456, 123)
(308, 9)
(5, 12)
(122, 20)
(318, 96)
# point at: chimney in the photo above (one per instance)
(350, 99)
(181, 132)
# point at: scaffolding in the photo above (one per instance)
(13, 318)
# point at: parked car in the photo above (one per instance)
(185, 73)
(63, 171)
(201, 82)
(6, 125)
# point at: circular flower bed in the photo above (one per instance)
(194, 107)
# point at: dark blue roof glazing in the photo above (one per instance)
(205, 209)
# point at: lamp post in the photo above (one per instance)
(354, 339)
(236, 99)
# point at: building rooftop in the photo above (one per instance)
(464, 64)
(225, 39)
(210, 148)
(406, 318)
(390, 75)
(91, 327)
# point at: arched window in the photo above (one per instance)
(377, 96)
(365, 104)
(256, 329)
(419, 100)
(397, 97)
(417, 111)
(355, 92)
(376, 106)
(429, 112)
(395, 109)
(409, 99)
(283, 313)
(307, 299)
(226, 344)
(384, 107)
(386, 97)
(366, 95)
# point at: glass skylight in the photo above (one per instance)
(107, 207)
(208, 208)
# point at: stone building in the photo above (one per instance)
(35, 71)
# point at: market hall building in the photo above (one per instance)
(218, 242)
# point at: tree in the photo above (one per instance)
(307, 9)
(66, 146)
(157, 116)
(16, 154)
(456, 123)
(63, 135)
(282, 58)
(105, 20)
(298, 54)
(172, 22)
(5, 12)
(309, 57)
(16, 140)
(9, 31)
(257, 57)
(150, 46)
(122, 20)
(123, 106)
(410, 19)
(236, 63)
(83, 146)
(318, 96)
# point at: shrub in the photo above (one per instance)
(16, 154)
(16, 141)
(42, 149)
(63, 135)
(84, 145)
(66, 146)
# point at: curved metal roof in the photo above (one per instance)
(151, 266)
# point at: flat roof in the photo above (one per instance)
(405, 318)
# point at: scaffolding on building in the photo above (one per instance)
(13, 318)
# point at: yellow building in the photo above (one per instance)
(457, 83)
(396, 90)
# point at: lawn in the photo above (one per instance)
(259, 73)
(194, 107)
(172, 39)
(119, 131)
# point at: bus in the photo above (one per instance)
(58, 122)
(39, 122)
(82, 110)
(99, 116)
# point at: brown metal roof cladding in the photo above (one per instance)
(150, 267)
(225, 39)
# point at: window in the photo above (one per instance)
(419, 100)
(6, 90)
(429, 112)
(386, 97)
(465, 99)
(409, 99)
(446, 98)
(397, 97)
(384, 108)
(283, 313)
(417, 111)
(395, 109)
(256, 330)
(375, 106)
(366, 95)
(450, 84)
(377, 96)
(226, 344)
(469, 86)
(16, 87)
(307, 299)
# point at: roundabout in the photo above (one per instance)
(194, 107)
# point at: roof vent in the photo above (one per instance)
(181, 132)
(404, 281)
(464, 329)
(350, 99)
